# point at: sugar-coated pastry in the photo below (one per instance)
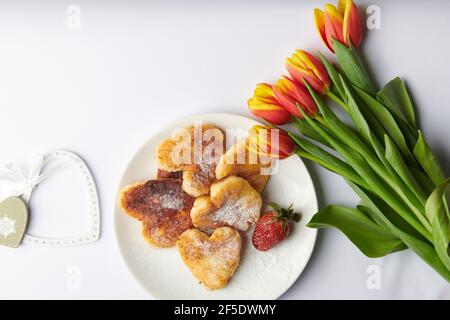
(213, 259)
(239, 161)
(232, 202)
(195, 151)
(162, 207)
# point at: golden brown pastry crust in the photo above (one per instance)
(239, 161)
(162, 174)
(232, 202)
(162, 207)
(198, 166)
(212, 260)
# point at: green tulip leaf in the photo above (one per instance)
(437, 212)
(423, 180)
(305, 129)
(386, 119)
(395, 159)
(359, 163)
(395, 96)
(422, 248)
(359, 120)
(428, 161)
(390, 214)
(327, 160)
(373, 240)
(387, 172)
(351, 65)
(334, 75)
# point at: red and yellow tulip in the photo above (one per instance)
(270, 142)
(303, 66)
(342, 23)
(265, 105)
(289, 94)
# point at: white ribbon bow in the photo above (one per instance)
(15, 181)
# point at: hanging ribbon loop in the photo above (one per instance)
(15, 181)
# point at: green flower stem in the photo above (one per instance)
(383, 168)
(350, 139)
(320, 119)
(423, 249)
(315, 153)
(366, 172)
(352, 66)
(402, 191)
(303, 128)
(338, 100)
(330, 167)
(326, 165)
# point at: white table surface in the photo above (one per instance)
(133, 67)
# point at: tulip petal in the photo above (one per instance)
(319, 18)
(302, 96)
(289, 93)
(287, 101)
(264, 90)
(278, 117)
(272, 113)
(285, 146)
(314, 65)
(301, 58)
(279, 144)
(342, 4)
(305, 100)
(300, 75)
(265, 105)
(296, 62)
(272, 117)
(352, 24)
(333, 13)
(333, 24)
(270, 142)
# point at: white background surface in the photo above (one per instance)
(133, 67)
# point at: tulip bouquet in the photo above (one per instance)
(374, 143)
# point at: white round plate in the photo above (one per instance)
(260, 275)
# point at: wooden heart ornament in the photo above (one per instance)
(13, 221)
(212, 260)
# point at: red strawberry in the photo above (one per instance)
(273, 227)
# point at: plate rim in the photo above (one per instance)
(142, 146)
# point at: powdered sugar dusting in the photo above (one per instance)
(236, 214)
(226, 254)
(219, 254)
(205, 172)
(171, 201)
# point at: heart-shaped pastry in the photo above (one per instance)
(232, 202)
(13, 221)
(162, 207)
(195, 150)
(239, 161)
(212, 260)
